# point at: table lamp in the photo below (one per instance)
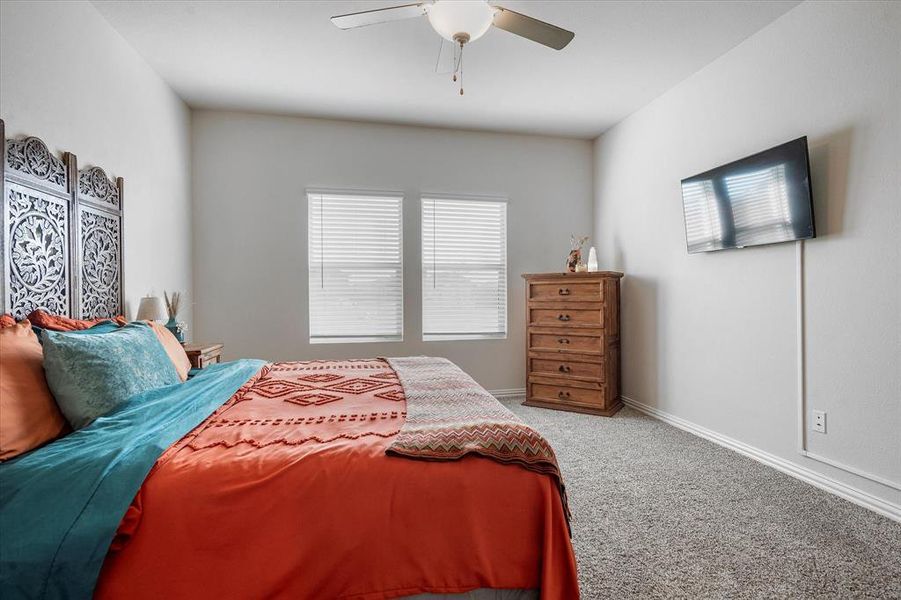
(151, 309)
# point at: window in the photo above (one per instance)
(355, 267)
(760, 206)
(702, 217)
(464, 269)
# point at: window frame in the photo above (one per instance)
(455, 337)
(365, 193)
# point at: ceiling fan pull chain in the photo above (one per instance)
(461, 68)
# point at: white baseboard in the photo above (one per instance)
(852, 494)
(508, 393)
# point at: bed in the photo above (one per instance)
(357, 479)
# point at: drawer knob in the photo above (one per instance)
(563, 395)
(563, 317)
(564, 369)
(562, 340)
(563, 291)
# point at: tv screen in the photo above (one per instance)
(762, 199)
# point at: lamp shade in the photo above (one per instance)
(151, 309)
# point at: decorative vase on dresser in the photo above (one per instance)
(572, 341)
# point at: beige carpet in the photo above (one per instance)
(660, 513)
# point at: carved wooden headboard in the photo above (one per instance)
(61, 238)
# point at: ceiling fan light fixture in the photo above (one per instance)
(460, 21)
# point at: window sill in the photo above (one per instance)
(462, 337)
(354, 340)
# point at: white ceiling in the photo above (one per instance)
(287, 57)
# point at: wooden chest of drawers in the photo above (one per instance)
(572, 341)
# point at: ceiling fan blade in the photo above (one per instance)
(446, 58)
(379, 15)
(533, 29)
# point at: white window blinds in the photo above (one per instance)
(702, 217)
(355, 268)
(760, 206)
(464, 269)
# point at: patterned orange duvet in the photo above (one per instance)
(286, 492)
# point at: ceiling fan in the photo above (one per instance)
(462, 22)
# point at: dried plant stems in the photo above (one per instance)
(172, 303)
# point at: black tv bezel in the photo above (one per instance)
(751, 157)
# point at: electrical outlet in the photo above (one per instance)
(819, 421)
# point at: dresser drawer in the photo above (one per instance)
(565, 342)
(573, 292)
(566, 368)
(566, 317)
(205, 360)
(566, 395)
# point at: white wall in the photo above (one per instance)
(250, 224)
(712, 338)
(68, 77)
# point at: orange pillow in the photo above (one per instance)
(60, 323)
(29, 416)
(173, 348)
(7, 321)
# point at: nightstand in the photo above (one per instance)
(203, 355)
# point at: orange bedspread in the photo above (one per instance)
(286, 492)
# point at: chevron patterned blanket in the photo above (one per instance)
(450, 416)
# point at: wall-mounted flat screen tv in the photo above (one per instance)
(762, 199)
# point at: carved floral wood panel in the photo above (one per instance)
(100, 251)
(43, 213)
(37, 269)
(30, 156)
(93, 184)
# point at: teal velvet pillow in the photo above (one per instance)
(101, 327)
(90, 375)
